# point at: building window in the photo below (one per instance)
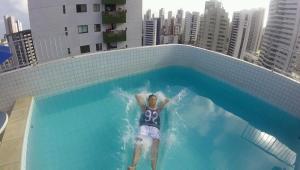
(96, 7)
(84, 49)
(81, 8)
(82, 29)
(69, 51)
(97, 27)
(99, 47)
(66, 31)
(64, 9)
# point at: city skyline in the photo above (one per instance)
(19, 8)
(198, 6)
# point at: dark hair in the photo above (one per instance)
(151, 95)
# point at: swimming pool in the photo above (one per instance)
(207, 125)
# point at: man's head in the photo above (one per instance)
(152, 99)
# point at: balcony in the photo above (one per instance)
(114, 17)
(114, 36)
(116, 2)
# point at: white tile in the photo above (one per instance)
(72, 73)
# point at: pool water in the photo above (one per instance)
(207, 125)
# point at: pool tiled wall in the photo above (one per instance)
(74, 72)
(263, 83)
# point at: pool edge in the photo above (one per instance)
(25, 137)
(11, 148)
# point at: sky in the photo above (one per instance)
(19, 9)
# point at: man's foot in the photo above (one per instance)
(131, 168)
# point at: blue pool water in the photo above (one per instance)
(208, 125)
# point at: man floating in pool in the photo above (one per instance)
(149, 126)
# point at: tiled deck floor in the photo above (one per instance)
(11, 145)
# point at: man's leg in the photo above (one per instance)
(136, 154)
(154, 153)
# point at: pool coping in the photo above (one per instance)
(26, 133)
(13, 146)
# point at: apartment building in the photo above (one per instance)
(191, 27)
(280, 45)
(246, 32)
(20, 43)
(149, 32)
(214, 27)
(62, 29)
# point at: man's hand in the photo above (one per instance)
(164, 103)
(140, 101)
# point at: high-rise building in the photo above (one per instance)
(170, 15)
(179, 16)
(214, 26)
(172, 25)
(162, 13)
(256, 30)
(12, 25)
(179, 21)
(281, 40)
(162, 17)
(20, 43)
(191, 26)
(61, 29)
(295, 60)
(22, 49)
(246, 32)
(172, 35)
(148, 16)
(167, 24)
(149, 32)
(169, 39)
(158, 30)
(212, 4)
(177, 29)
(298, 63)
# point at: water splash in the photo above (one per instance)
(160, 96)
(178, 98)
(146, 86)
(175, 125)
(127, 130)
(126, 97)
(127, 133)
(175, 105)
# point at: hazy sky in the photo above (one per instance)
(19, 9)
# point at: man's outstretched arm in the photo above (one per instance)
(140, 101)
(163, 104)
